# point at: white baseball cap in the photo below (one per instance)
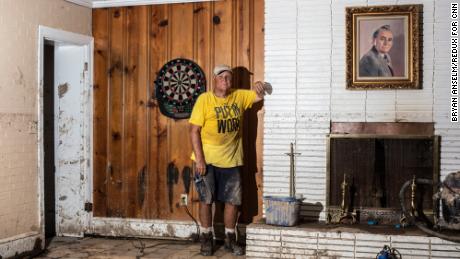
(222, 68)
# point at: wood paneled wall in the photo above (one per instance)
(134, 144)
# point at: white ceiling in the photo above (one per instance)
(113, 3)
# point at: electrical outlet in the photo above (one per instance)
(184, 199)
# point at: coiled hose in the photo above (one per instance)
(420, 225)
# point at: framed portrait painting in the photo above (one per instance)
(383, 47)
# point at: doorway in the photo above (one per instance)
(48, 139)
(64, 129)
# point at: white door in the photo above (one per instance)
(69, 94)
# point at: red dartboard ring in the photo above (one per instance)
(178, 85)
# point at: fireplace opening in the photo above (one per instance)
(374, 167)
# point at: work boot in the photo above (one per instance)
(206, 240)
(232, 245)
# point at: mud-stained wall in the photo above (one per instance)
(19, 21)
(142, 158)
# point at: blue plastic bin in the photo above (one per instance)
(281, 211)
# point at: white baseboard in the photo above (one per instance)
(154, 228)
(19, 244)
(121, 227)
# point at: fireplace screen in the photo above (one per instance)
(374, 169)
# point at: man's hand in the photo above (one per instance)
(195, 135)
(260, 91)
(200, 167)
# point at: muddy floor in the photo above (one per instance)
(98, 248)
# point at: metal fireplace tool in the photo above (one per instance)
(344, 215)
(292, 154)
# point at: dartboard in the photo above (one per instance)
(178, 85)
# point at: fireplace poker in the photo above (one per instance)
(344, 212)
(292, 171)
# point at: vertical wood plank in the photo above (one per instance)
(203, 57)
(223, 52)
(244, 79)
(182, 46)
(157, 123)
(181, 27)
(257, 59)
(100, 114)
(257, 40)
(115, 182)
(128, 174)
(135, 131)
(243, 34)
(202, 43)
(223, 32)
(143, 97)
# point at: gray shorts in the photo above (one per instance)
(221, 184)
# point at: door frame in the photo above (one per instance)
(57, 35)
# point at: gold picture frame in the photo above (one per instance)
(384, 47)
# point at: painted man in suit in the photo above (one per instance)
(377, 62)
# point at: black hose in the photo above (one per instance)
(417, 223)
(437, 234)
(403, 190)
(196, 237)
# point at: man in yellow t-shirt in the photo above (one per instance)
(216, 132)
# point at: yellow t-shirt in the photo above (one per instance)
(221, 121)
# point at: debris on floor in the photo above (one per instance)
(105, 248)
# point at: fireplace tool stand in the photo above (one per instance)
(284, 211)
(292, 154)
(344, 215)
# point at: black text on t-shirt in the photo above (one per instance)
(228, 118)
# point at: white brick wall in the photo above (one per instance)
(305, 62)
(292, 242)
(19, 21)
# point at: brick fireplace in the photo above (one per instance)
(305, 62)
(373, 154)
(374, 160)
